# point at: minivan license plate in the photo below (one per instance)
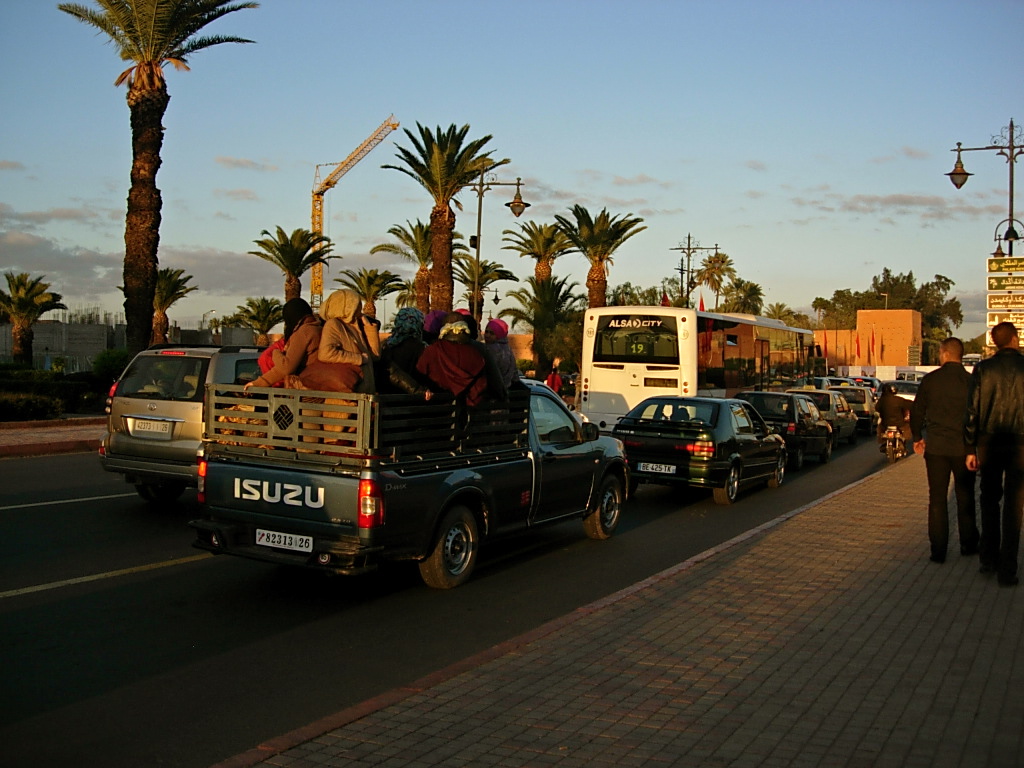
(153, 427)
(284, 540)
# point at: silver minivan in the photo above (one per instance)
(155, 414)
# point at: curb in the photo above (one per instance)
(44, 449)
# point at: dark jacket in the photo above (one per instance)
(939, 410)
(995, 400)
(892, 410)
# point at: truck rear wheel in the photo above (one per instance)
(455, 551)
(163, 492)
(603, 518)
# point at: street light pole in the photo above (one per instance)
(686, 281)
(1011, 148)
(517, 206)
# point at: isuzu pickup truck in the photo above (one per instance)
(342, 483)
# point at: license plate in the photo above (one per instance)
(660, 469)
(284, 540)
(153, 427)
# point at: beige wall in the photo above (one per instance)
(895, 332)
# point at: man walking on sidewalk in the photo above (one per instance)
(994, 434)
(937, 423)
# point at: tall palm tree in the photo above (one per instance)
(542, 242)
(413, 244)
(259, 314)
(443, 163)
(467, 271)
(744, 296)
(598, 239)
(405, 296)
(546, 306)
(781, 311)
(294, 255)
(370, 285)
(171, 285)
(24, 302)
(716, 270)
(151, 34)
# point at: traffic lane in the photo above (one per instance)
(31, 479)
(208, 659)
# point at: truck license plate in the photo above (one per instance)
(660, 469)
(284, 540)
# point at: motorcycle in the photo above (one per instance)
(895, 445)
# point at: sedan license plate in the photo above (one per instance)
(284, 540)
(658, 469)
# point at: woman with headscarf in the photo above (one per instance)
(348, 336)
(301, 343)
(400, 352)
(496, 340)
(453, 364)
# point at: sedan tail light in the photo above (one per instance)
(703, 449)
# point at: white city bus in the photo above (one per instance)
(631, 353)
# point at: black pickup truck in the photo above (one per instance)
(342, 482)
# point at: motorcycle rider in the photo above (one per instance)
(893, 411)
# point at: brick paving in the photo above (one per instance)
(33, 438)
(825, 638)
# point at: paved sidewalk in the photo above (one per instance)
(825, 638)
(35, 438)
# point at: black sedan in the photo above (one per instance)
(796, 418)
(704, 442)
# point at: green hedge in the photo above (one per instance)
(75, 393)
(19, 407)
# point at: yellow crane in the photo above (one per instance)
(320, 189)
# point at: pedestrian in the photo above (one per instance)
(893, 411)
(554, 381)
(936, 422)
(994, 434)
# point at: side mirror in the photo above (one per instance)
(590, 431)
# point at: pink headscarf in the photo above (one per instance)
(498, 327)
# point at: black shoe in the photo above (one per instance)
(968, 551)
(1008, 581)
(937, 558)
(987, 569)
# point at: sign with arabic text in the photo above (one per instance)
(1011, 264)
(1006, 282)
(1013, 302)
(1017, 318)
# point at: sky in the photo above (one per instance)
(807, 140)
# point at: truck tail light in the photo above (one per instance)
(201, 487)
(371, 504)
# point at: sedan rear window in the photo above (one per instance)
(677, 410)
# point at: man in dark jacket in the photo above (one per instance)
(994, 434)
(937, 423)
(893, 411)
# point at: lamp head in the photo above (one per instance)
(1011, 234)
(518, 205)
(958, 175)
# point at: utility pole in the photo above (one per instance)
(686, 280)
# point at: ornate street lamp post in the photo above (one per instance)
(517, 205)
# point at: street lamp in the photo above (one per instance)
(1011, 148)
(202, 323)
(517, 206)
(886, 299)
(686, 281)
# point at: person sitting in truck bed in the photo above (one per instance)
(454, 364)
(349, 337)
(302, 331)
(496, 341)
(396, 371)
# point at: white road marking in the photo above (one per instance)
(66, 501)
(99, 576)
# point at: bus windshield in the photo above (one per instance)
(627, 338)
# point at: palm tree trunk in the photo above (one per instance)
(542, 271)
(142, 222)
(292, 287)
(421, 284)
(597, 285)
(21, 343)
(442, 225)
(160, 325)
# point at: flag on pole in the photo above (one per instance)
(825, 347)
(701, 307)
(664, 300)
(858, 347)
(873, 343)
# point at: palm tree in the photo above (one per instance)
(598, 239)
(294, 254)
(744, 296)
(370, 285)
(548, 307)
(413, 244)
(168, 34)
(260, 315)
(171, 285)
(715, 272)
(467, 271)
(405, 296)
(443, 163)
(543, 242)
(25, 301)
(781, 311)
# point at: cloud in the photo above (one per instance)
(241, 163)
(639, 179)
(33, 220)
(11, 165)
(756, 165)
(238, 194)
(925, 207)
(914, 153)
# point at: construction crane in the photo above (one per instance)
(320, 189)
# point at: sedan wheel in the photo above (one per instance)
(826, 455)
(796, 459)
(728, 492)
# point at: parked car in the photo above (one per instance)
(862, 401)
(905, 389)
(155, 414)
(796, 418)
(836, 411)
(704, 442)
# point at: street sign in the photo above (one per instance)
(1006, 282)
(1011, 264)
(1017, 318)
(1013, 302)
